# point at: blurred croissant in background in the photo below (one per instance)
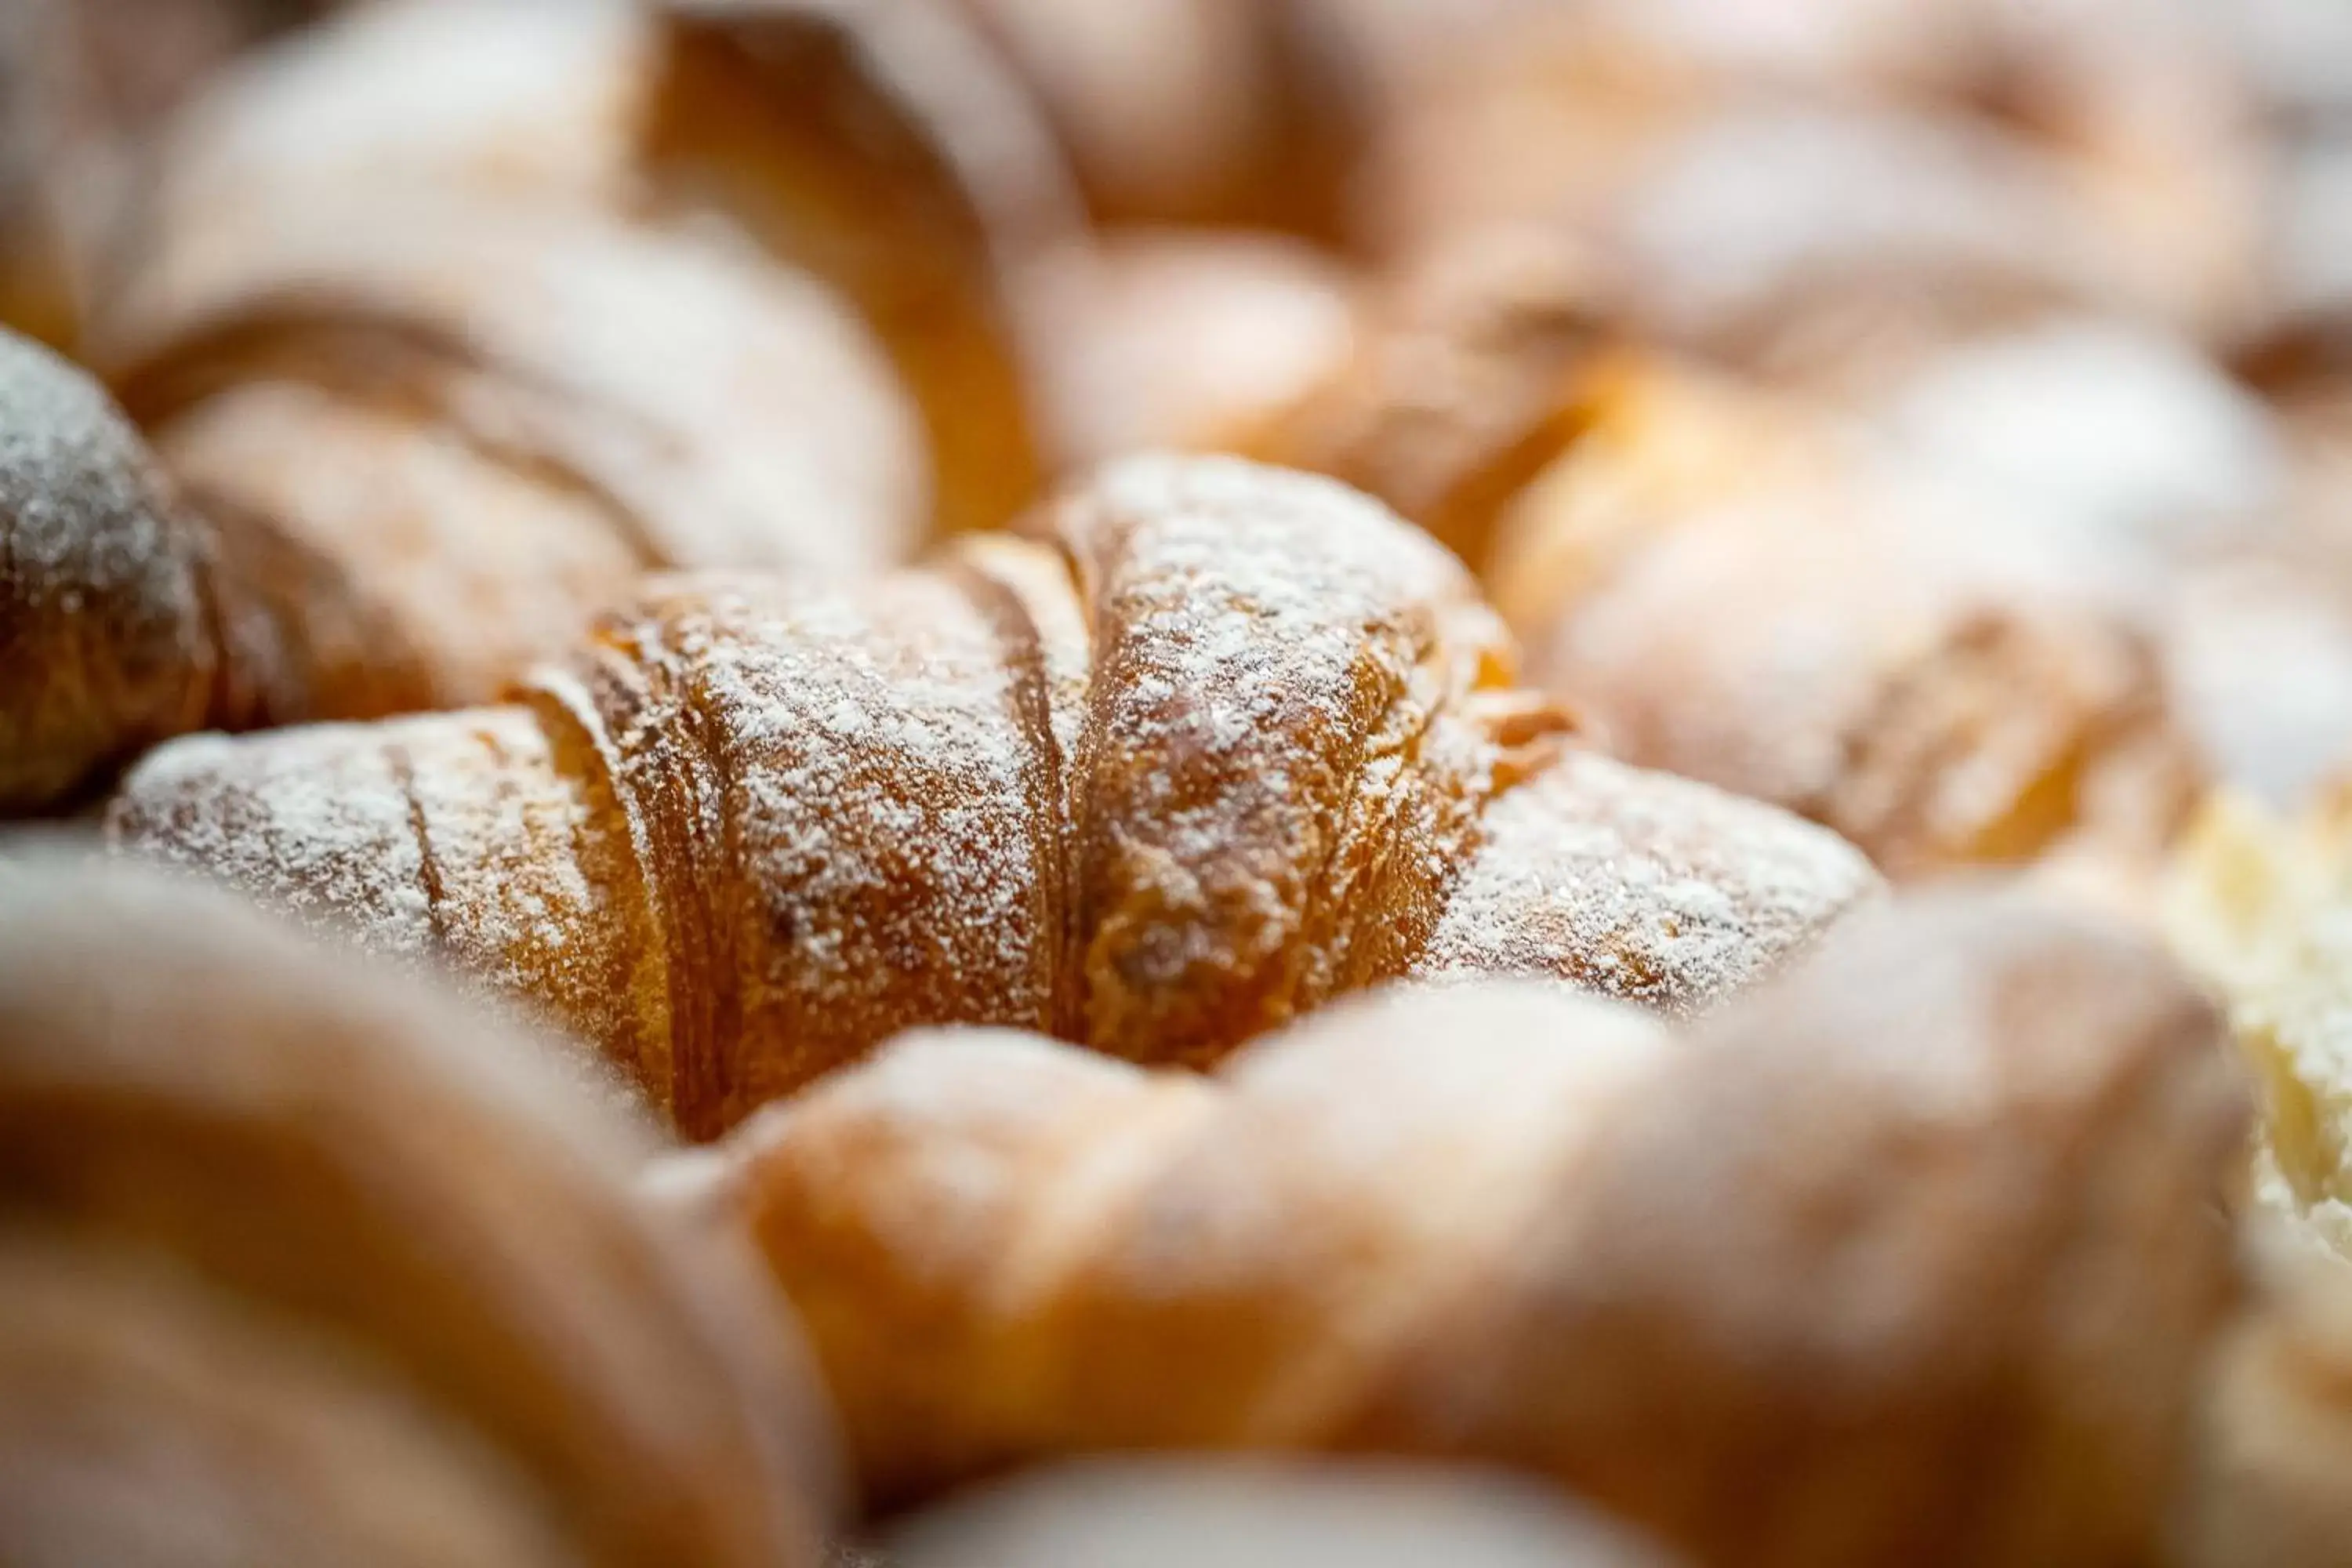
(262, 1305)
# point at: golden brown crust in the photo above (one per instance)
(1458, 389)
(836, 810)
(420, 445)
(374, 1178)
(371, 560)
(1739, 586)
(1798, 629)
(1198, 113)
(1281, 760)
(883, 148)
(1905, 1255)
(724, 412)
(1218, 745)
(1174, 340)
(880, 147)
(436, 400)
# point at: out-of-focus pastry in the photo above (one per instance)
(1783, 192)
(1748, 589)
(1176, 340)
(1233, 112)
(881, 149)
(303, 1265)
(1944, 1190)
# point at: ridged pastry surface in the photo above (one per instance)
(1214, 744)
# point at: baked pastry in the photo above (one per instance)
(303, 1266)
(1790, 194)
(1904, 1256)
(1741, 587)
(1168, 1512)
(1243, 113)
(1219, 745)
(1169, 340)
(404, 470)
(1832, 639)
(96, 660)
(880, 149)
(2269, 1484)
(1457, 387)
(82, 89)
(2255, 904)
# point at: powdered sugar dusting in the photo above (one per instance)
(1257, 753)
(314, 822)
(1256, 634)
(866, 818)
(101, 632)
(451, 838)
(1641, 885)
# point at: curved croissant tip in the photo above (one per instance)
(102, 637)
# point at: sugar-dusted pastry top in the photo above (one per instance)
(1214, 744)
(102, 610)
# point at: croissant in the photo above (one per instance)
(401, 471)
(1737, 586)
(884, 147)
(1802, 195)
(1198, 113)
(1220, 744)
(880, 149)
(1168, 1512)
(1903, 1257)
(82, 88)
(303, 1266)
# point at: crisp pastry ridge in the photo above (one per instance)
(1210, 747)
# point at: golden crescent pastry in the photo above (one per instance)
(1216, 744)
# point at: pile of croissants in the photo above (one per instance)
(1052, 783)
